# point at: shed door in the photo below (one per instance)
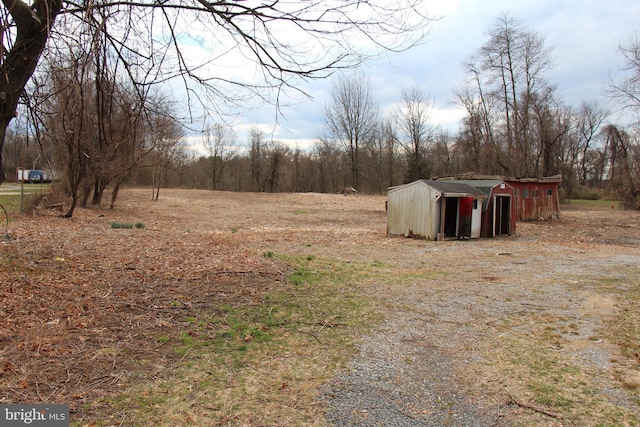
(464, 222)
(502, 215)
(476, 219)
(451, 217)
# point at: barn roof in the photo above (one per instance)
(476, 177)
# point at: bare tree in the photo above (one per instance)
(351, 118)
(508, 75)
(257, 158)
(165, 137)
(441, 152)
(219, 142)
(551, 125)
(627, 90)
(73, 128)
(277, 158)
(414, 121)
(589, 119)
(331, 172)
(391, 141)
(624, 165)
(478, 148)
(281, 39)
(624, 149)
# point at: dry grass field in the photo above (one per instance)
(228, 309)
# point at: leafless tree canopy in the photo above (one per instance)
(514, 119)
(225, 52)
(627, 89)
(352, 118)
(418, 130)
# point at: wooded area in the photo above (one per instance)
(99, 122)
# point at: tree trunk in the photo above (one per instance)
(33, 27)
(114, 193)
(74, 202)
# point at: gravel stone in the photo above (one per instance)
(401, 379)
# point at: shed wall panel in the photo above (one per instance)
(537, 200)
(412, 210)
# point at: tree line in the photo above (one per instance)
(104, 128)
(89, 76)
(516, 125)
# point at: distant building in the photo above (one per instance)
(435, 210)
(35, 175)
(535, 198)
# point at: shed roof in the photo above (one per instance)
(454, 189)
(485, 185)
(448, 188)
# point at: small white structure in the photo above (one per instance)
(34, 175)
(435, 210)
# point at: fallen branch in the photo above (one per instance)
(533, 408)
(312, 333)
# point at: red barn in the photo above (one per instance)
(536, 198)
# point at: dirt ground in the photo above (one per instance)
(80, 299)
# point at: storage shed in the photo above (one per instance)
(499, 215)
(435, 210)
(537, 198)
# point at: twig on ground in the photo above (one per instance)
(182, 358)
(312, 333)
(404, 413)
(533, 408)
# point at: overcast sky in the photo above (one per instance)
(584, 36)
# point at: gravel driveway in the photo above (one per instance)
(431, 363)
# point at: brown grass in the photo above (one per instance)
(233, 309)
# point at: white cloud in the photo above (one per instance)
(584, 36)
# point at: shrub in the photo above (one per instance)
(121, 225)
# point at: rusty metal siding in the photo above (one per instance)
(413, 210)
(537, 200)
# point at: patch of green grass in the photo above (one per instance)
(285, 347)
(593, 203)
(549, 396)
(124, 225)
(10, 200)
(304, 275)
